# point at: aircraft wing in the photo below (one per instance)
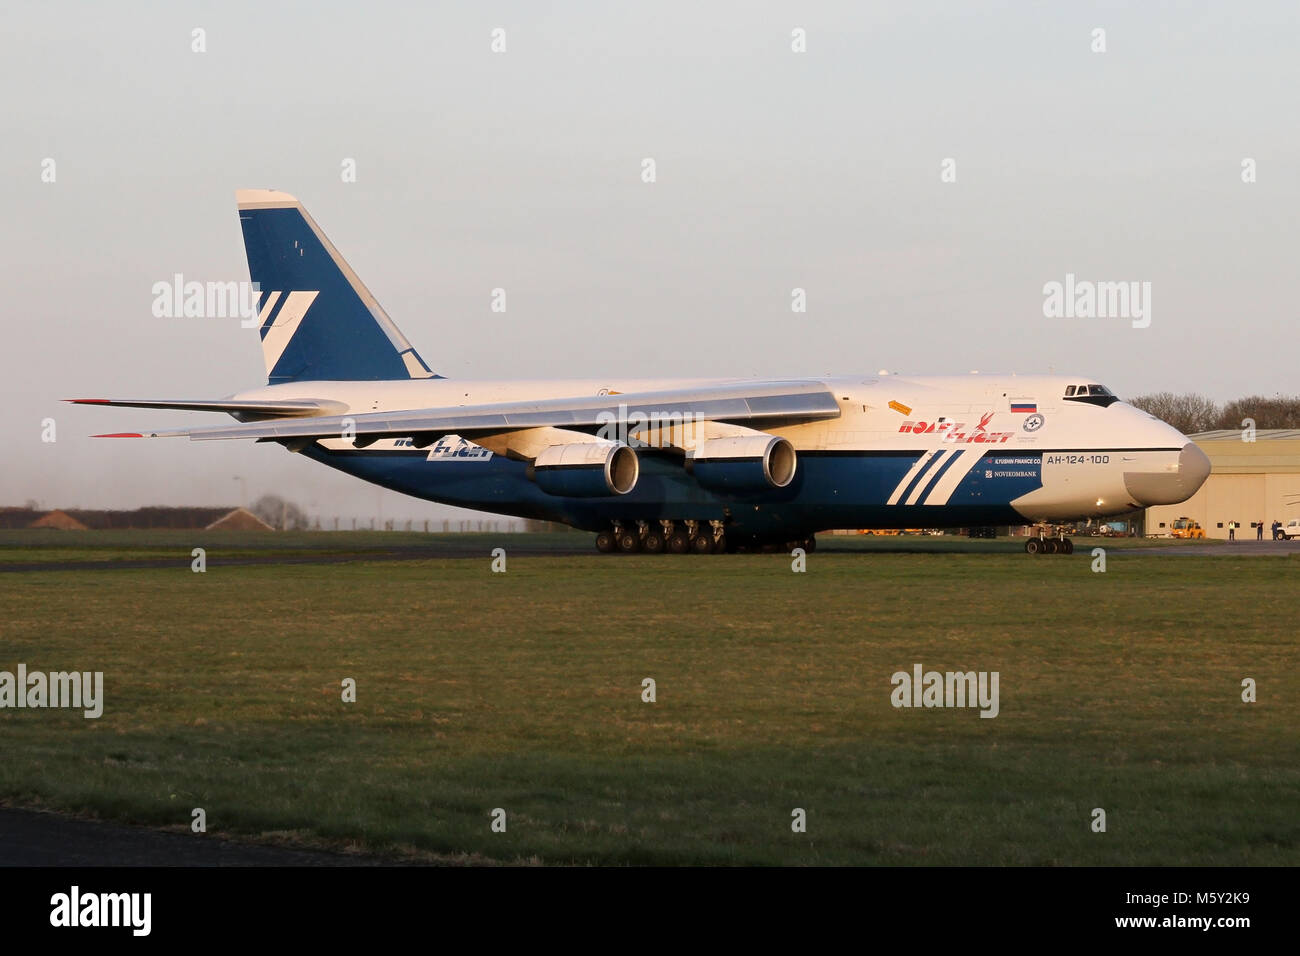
(757, 404)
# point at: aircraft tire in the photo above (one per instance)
(1034, 546)
(629, 542)
(679, 542)
(605, 542)
(653, 543)
(702, 544)
(1067, 546)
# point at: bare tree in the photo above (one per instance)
(1188, 413)
(1279, 411)
(280, 514)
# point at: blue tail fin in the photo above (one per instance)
(318, 322)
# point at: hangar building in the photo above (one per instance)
(1249, 481)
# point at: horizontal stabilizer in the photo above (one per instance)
(171, 434)
(245, 411)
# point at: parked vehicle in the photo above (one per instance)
(1113, 529)
(1188, 528)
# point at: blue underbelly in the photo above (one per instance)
(829, 490)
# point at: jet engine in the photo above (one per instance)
(586, 469)
(745, 463)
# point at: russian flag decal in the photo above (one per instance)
(1024, 408)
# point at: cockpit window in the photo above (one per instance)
(1094, 394)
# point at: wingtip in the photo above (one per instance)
(87, 401)
(119, 435)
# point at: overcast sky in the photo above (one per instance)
(522, 170)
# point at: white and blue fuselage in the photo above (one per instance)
(672, 459)
(903, 453)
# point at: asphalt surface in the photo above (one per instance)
(584, 545)
(35, 838)
(1241, 547)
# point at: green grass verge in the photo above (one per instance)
(523, 691)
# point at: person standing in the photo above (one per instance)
(1232, 531)
(1259, 530)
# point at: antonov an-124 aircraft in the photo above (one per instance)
(674, 465)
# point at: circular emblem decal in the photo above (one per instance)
(1033, 423)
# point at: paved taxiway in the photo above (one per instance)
(33, 838)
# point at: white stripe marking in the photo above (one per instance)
(271, 299)
(922, 464)
(953, 476)
(286, 323)
(940, 457)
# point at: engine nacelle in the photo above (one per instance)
(744, 463)
(586, 469)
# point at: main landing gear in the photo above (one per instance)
(688, 537)
(1049, 543)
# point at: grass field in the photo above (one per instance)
(522, 690)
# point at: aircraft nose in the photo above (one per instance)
(1175, 483)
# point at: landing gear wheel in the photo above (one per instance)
(810, 544)
(1067, 546)
(653, 543)
(702, 544)
(679, 542)
(1034, 546)
(629, 542)
(1051, 546)
(605, 542)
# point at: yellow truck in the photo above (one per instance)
(1186, 528)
